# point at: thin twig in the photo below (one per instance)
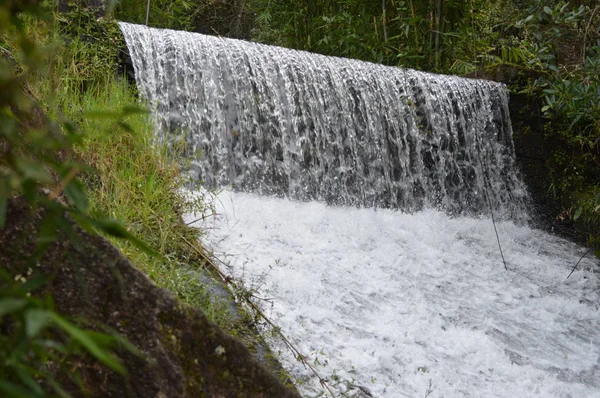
(63, 184)
(575, 267)
(492, 212)
(229, 281)
(585, 34)
(429, 389)
(7, 52)
(204, 217)
(497, 236)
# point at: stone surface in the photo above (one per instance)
(185, 354)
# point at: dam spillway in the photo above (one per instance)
(289, 123)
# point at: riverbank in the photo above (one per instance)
(84, 152)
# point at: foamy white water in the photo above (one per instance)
(406, 304)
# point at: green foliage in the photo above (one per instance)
(169, 14)
(69, 145)
(432, 35)
(92, 48)
(139, 182)
(229, 18)
(563, 46)
(36, 343)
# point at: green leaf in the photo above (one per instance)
(33, 170)
(48, 231)
(57, 388)
(25, 374)
(102, 339)
(122, 341)
(70, 127)
(578, 213)
(14, 390)
(89, 343)
(10, 305)
(102, 115)
(75, 192)
(111, 227)
(115, 228)
(125, 126)
(33, 283)
(30, 190)
(110, 6)
(134, 110)
(548, 10)
(35, 321)
(47, 345)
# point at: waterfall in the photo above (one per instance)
(275, 121)
(390, 303)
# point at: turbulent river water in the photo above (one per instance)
(355, 201)
(402, 304)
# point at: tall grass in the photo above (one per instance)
(130, 178)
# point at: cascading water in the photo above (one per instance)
(383, 303)
(277, 121)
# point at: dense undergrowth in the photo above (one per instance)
(126, 176)
(74, 140)
(37, 343)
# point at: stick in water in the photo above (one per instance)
(491, 210)
(497, 237)
(575, 267)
